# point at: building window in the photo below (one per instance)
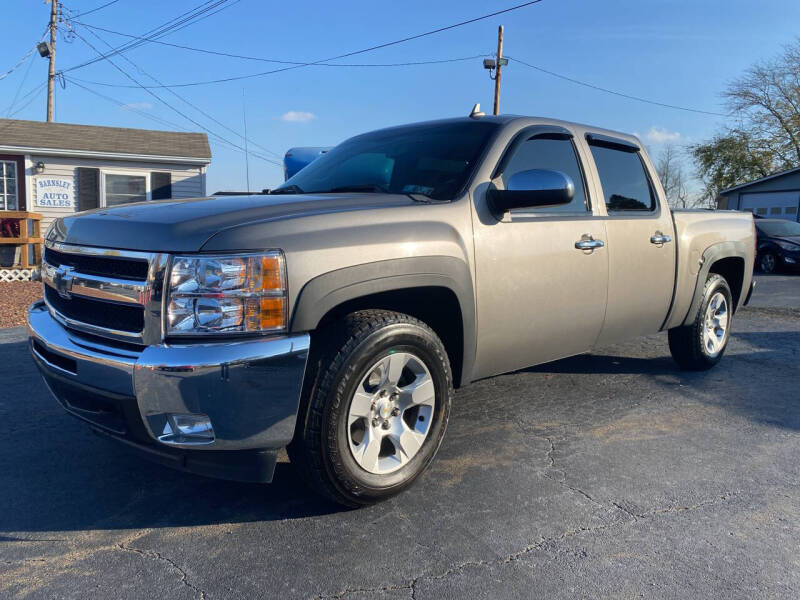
(8, 185)
(775, 210)
(791, 210)
(121, 188)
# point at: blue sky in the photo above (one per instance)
(675, 51)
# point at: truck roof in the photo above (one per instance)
(528, 120)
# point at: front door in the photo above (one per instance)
(539, 297)
(640, 244)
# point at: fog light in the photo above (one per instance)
(789, 260)
(187, 429)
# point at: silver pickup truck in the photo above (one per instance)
(335, 316)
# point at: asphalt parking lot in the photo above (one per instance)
(607, 475)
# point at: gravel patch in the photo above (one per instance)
(15, 297)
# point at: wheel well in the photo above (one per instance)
(437, 307)
(732, 269)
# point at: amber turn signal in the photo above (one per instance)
(273, 313)
(271, 273)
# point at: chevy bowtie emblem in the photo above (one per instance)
(62, 281)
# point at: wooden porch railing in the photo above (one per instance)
(29, 225)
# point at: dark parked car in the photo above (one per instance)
(778, 244)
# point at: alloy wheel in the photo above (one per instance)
(390, 413)
(715, 329)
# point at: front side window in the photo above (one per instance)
(433, 160)
(8, 185)
(555, 154)
(123, 189)
(626, 186)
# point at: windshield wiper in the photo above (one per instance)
(366, 187)
(289, 189)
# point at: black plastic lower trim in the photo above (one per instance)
(255, 466)
(117, 417)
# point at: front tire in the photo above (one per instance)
(768, 262)
(375, 407)
(701, 344)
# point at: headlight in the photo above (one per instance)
(227, 294)
(788, 246)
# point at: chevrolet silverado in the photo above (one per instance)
(335, 316)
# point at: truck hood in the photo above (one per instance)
(185, 225)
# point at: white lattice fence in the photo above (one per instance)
(17, 274)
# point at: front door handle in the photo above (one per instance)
(660, 238)
(587, 242)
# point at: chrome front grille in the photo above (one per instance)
(116, 294)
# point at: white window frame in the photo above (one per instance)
(129, 172)
(16, 177)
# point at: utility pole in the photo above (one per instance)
(51, 71)
(499, 69)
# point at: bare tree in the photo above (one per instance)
(764, 136)
(670, 172)
(766, 102)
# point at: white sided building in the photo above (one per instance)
(58, 168)
(48, 170)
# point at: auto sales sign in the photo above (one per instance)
(54, 192)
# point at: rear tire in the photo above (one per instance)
(701, 344)
(375, 407)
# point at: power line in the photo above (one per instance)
(32, 95)
(19, 87)
(205, 16)
(144, 114)
(355, 52)
(182, 20)
(185, 101)
(101, 7)
(157, 119)
(357, 65)
(24, 58)
(274, 60)
(126, 106)
(24, 77)
(615, 93)
(167, 104)
(19, 63)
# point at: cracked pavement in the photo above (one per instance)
(606, 475)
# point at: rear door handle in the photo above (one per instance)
(587, 242)
(660, 238)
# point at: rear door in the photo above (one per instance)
(641, 248)
(538, 296)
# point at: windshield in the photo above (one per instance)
(431, 160)
(779, 228)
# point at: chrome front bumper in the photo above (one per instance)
(249, 389)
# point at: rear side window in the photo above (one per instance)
(555, 155)
(625, 183)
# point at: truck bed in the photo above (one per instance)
(700, 234)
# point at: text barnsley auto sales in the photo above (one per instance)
(54, 192)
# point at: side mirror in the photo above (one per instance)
(536, 187)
